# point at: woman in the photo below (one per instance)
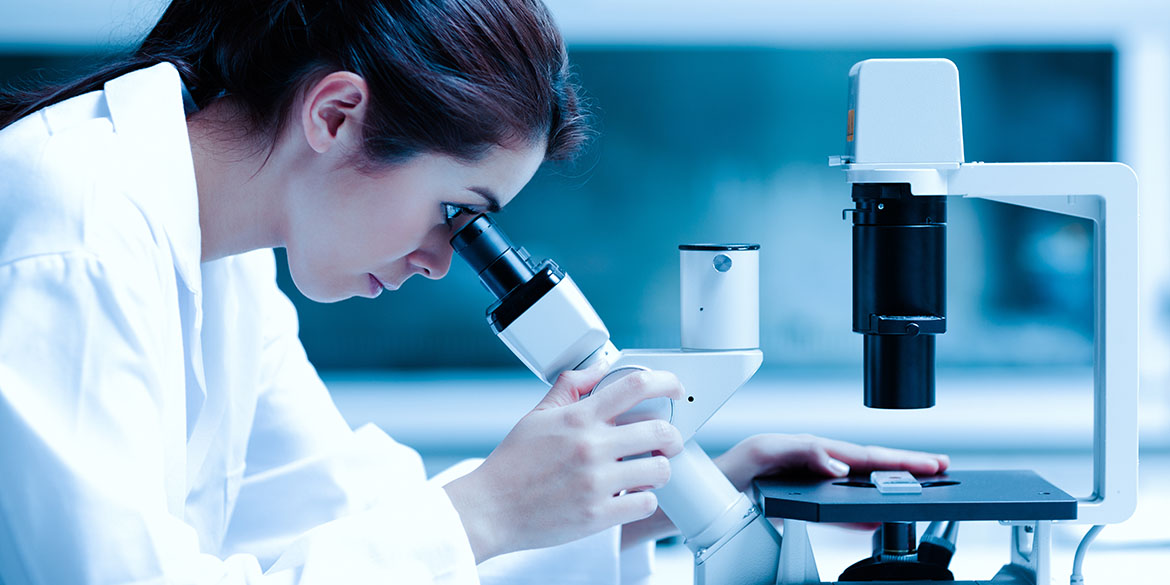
(159, 420)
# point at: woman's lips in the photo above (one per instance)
(376, 287)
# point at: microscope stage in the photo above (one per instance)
(957, 495)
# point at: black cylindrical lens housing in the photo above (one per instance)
(498, 262)
(898, 538)
(899, 371)
(899, 291)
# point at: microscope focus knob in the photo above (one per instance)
(655, 408)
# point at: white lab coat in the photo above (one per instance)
(159, 422)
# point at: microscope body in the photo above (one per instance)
(542, 316)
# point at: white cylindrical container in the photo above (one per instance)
(720, 296)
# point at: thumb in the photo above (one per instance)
(571, 385)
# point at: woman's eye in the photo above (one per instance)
(452, 211)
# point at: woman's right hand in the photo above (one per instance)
(558, 475)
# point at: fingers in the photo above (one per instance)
(798, 452)
(944, 462)
(632, 506)
(764, 454)
(644, 437)
(870, 458)
(645, 473)
(828, 456)
(821, 462)
(631, 389)
(571, 385)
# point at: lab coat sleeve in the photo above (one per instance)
(85, 431)
(331, 504)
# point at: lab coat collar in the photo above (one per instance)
(146, 108)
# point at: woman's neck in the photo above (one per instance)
(238, 182)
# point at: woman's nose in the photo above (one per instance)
(433, 258)
(432, 263)
(440, 266)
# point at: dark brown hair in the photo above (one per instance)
(446, 76)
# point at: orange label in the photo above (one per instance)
(849, 128)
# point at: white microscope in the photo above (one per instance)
(546, 321)
(904, 156)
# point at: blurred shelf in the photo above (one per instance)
(977, 410)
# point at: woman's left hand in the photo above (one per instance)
(774, 453)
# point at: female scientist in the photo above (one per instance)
(159, 422)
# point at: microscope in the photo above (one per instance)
(904, 158)
(543, 317)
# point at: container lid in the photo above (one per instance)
(719, 247)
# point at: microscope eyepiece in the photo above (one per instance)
(539, 312)
(501, 266)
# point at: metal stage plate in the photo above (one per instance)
(957, 495)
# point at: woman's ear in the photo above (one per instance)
(333, 110)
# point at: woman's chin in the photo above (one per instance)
(320, 292)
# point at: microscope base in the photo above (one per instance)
(1021, 498)
(750, 557)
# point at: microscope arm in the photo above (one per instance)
(733, 543)
(1105, 193)
(709, 378)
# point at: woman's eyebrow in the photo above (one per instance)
(493, 201)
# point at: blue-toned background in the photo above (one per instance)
(731, 144)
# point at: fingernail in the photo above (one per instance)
(838, 467)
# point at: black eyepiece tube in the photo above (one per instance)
(498, 262)
(899, 291)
